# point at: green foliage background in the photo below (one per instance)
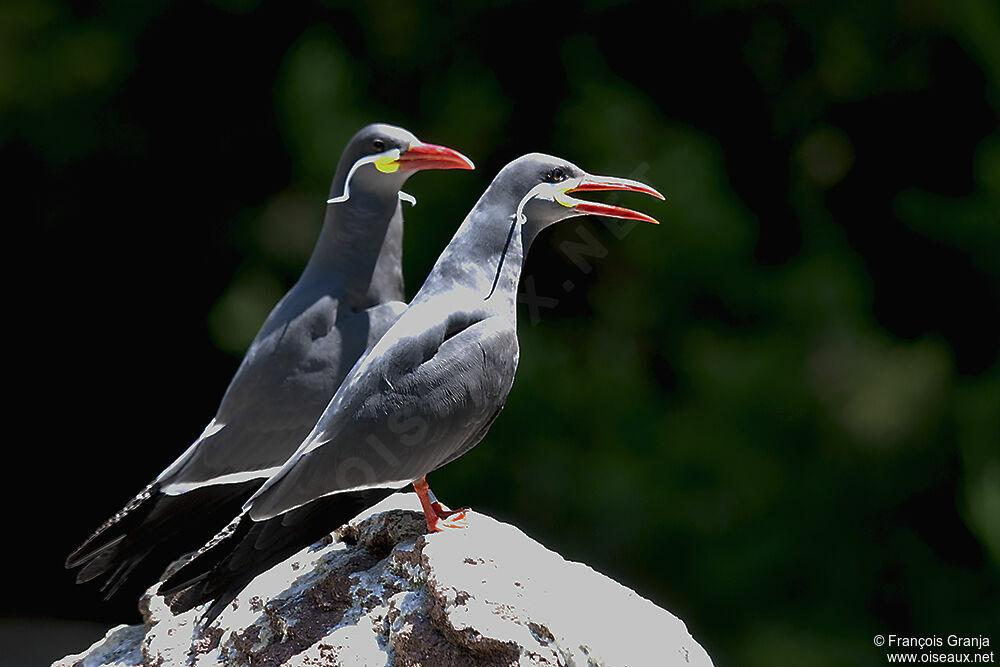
(776, 414)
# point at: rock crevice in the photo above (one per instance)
(382, 592)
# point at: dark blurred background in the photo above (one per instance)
(776, 414)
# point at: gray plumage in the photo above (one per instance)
(348, 295)
(425, 394)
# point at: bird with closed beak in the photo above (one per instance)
(348, 295)
(425, 394)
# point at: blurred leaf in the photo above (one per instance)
(319, 105)
(237, 316)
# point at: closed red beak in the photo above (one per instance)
(430, 156)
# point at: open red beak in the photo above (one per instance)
(595, 183)
(429, 156)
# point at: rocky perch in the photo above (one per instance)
(382, 592)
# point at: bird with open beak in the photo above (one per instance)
(425, 394)
(349, 294)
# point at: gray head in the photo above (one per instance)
(541, 186)
(531, 193)
(379, 159)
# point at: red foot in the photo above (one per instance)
(451, 521)
(438, 518)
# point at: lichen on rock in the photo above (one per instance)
(382, 592)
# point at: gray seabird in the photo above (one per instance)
(349, 294)
(425, 394)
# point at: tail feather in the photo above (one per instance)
(151, 531)
(219, 606)
(115, 581)
(115, 528)
(224, 567)
(209, 557)
(99, 562)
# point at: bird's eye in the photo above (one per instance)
(378, 145)
(556, 175)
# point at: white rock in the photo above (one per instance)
(392, 595)
(120, 647)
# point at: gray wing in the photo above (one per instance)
(281, 388)
(413, 404)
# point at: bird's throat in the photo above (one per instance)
(360, 252)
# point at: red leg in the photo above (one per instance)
(438, 518)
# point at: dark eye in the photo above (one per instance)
(556, 175)
(378, 145)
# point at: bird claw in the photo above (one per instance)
(438, 518)
(448, 520)
(442, 512)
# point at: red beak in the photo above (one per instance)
(594, 183)
(429, 156)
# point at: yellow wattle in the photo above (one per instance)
(387, 164)
(562, 197)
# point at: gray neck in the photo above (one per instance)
(359, 252)
(482, 245)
